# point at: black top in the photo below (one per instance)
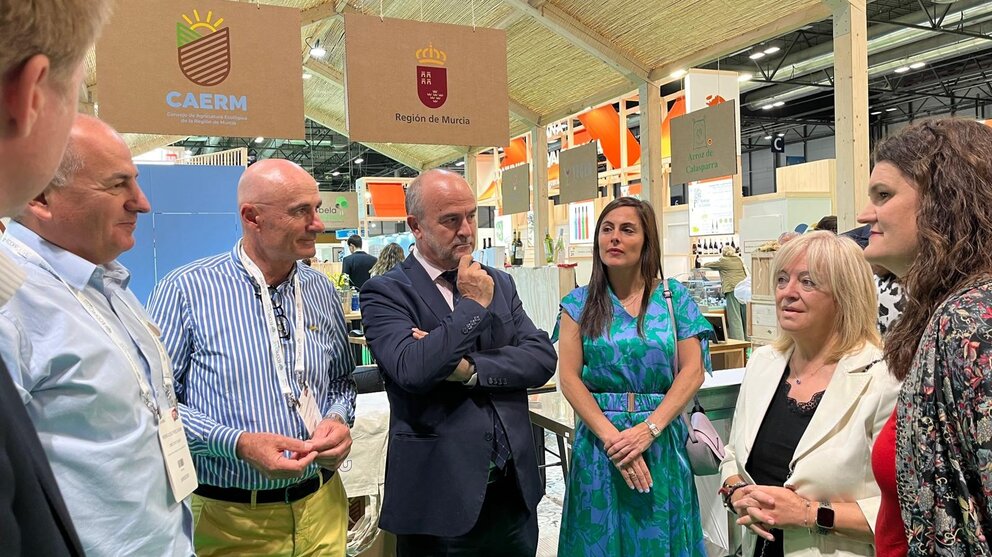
(781, 429)
(357, 267)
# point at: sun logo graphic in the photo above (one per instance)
(432, 77)
(204, 49)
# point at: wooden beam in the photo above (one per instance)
(579, 34)
(338, 126)
(524, 113)
(597, 99)
(324, 71)
(318, 13)
(539, 190)
(776, 28)
(445, 159)
(652, 188)
(850, 109)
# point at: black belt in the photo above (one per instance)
(288, 494)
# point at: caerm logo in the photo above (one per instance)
(432, 77)
(204, 49)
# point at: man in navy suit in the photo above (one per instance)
(458, 353)
(42, 65)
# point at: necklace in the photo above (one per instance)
(630, 298)
(799, 380)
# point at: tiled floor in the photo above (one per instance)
(549, 509)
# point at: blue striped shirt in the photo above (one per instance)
(213, 327)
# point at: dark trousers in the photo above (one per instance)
(505, 528)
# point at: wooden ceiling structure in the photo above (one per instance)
(562, 55)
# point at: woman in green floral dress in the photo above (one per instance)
(630, 491)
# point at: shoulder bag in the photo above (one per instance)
(703, 445)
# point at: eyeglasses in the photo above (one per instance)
(282, 322)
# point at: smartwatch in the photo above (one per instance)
(824, 518)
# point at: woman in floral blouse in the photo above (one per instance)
(930, 212)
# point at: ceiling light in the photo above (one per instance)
(460, 163)
(318, 51)
(892, 109)
(781, 134)
(757, 55)
(768, 137)
(307, 75)
(772, 50)
(779, 103)
(902, 69)
(745, 77)
(876, 112)
(767, 107)
(678, 73)
(359, 160)
(259, 139)
(335, 173)
(917, 65)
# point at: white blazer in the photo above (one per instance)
(833, 458)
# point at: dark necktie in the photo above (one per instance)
(501, 445)
(452, 278)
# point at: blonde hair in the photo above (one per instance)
(62, 30)
(838, 267)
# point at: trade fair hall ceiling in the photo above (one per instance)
(567, 55)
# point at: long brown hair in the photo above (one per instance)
(950, 163)
(598, 313)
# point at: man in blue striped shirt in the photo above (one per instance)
(263, 376)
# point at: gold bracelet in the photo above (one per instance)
(806, 518)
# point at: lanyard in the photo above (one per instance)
(275, 346)
(147, 396)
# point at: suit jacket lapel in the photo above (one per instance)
(426, 288)
(767, 385)
(849, 382)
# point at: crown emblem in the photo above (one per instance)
(431, 56)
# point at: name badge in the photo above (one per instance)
(308, 410)
(178, 461)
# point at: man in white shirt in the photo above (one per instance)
(41, 64)
(86, 358)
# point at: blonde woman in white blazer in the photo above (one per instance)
(797, 469)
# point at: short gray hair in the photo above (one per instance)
(415, 198)
(71, 164)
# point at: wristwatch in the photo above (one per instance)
(824, 518)
(655, 432)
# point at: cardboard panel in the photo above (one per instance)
(416, 82)
(515, 190)
(579, 177)
(704, 144)
(203, 67)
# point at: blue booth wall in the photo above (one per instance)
(194, 214)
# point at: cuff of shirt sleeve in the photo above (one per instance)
(341, 410)
(223, 441)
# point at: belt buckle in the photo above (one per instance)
(630, 402)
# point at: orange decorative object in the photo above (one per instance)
(516, 153)
(678, 109)
(603, 123)
(388, 199)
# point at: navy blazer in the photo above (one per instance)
(33, 517)
(440, 432)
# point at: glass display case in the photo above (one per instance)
(706, 293)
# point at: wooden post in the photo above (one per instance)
(850, 108)
(653, 190)
(539, 190)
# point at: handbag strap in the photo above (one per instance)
(675, 364)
